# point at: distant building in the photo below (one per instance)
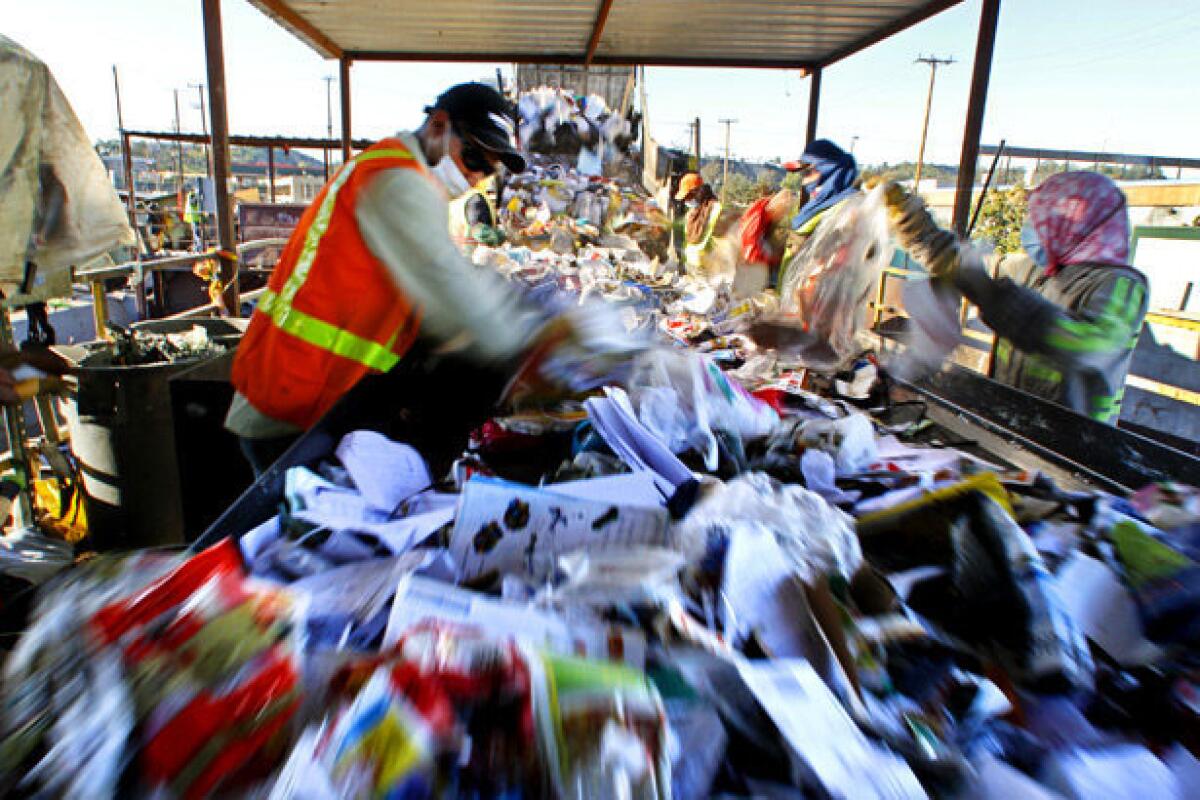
(142, 171)
(295, 188)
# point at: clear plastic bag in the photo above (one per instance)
(828, 282)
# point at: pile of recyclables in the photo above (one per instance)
(713, 575)
(555, 122)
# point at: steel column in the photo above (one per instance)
(214, 51)
(980, 74)
(271, 172)
(814, 104)
(344, 82)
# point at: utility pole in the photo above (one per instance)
(328, 119)
(933, 63)
(199, 87)
(695, 127)
(853, 141)
(728, 123)
(179, 153)
(127, 161)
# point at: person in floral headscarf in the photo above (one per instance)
(1069, 310)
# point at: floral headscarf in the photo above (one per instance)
(1080, 218)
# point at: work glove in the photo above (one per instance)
(938, 249)
(574, 353)
(28, 373)
(488, 235)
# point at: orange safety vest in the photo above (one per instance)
(331, 313)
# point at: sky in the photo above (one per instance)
(1109, 75)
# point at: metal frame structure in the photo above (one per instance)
(858, 23)
(272, 143)
(1040, 154)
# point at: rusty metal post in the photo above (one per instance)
(214, 51)
(980, 74)
(814, 105)
(344, 85)
(271, 172)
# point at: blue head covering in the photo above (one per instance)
(838, 171)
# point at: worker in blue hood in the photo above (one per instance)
(830, 175)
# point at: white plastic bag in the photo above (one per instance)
(850, 440)
(817, 537)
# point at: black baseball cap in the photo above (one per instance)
(483, 117)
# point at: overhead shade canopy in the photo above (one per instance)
(734, 33)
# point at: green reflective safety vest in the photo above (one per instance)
(1077, 354)
(192, 214)
(693, 254)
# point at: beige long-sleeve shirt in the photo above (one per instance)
(402, 215)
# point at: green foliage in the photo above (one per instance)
(907, 170)
(768, 179)
(1001, 218)
(793, 181)
(711, 172)
(741, 190)
(1115, 171)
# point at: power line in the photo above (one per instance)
(933, 63)
(199, 87)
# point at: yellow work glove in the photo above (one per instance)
(919, 234)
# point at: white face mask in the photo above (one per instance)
(692, 204)
(448, 172)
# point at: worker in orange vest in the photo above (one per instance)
(371, 267)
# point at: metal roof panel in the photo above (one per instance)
(729, 32)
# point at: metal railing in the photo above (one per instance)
(138, 270)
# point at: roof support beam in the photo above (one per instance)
(282, 13)
(989, 16)
(597, 31)
(814, 105)
(214, 54)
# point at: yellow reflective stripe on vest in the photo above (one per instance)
(312, 239)
(326, 336)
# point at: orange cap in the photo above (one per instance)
(688, 184)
